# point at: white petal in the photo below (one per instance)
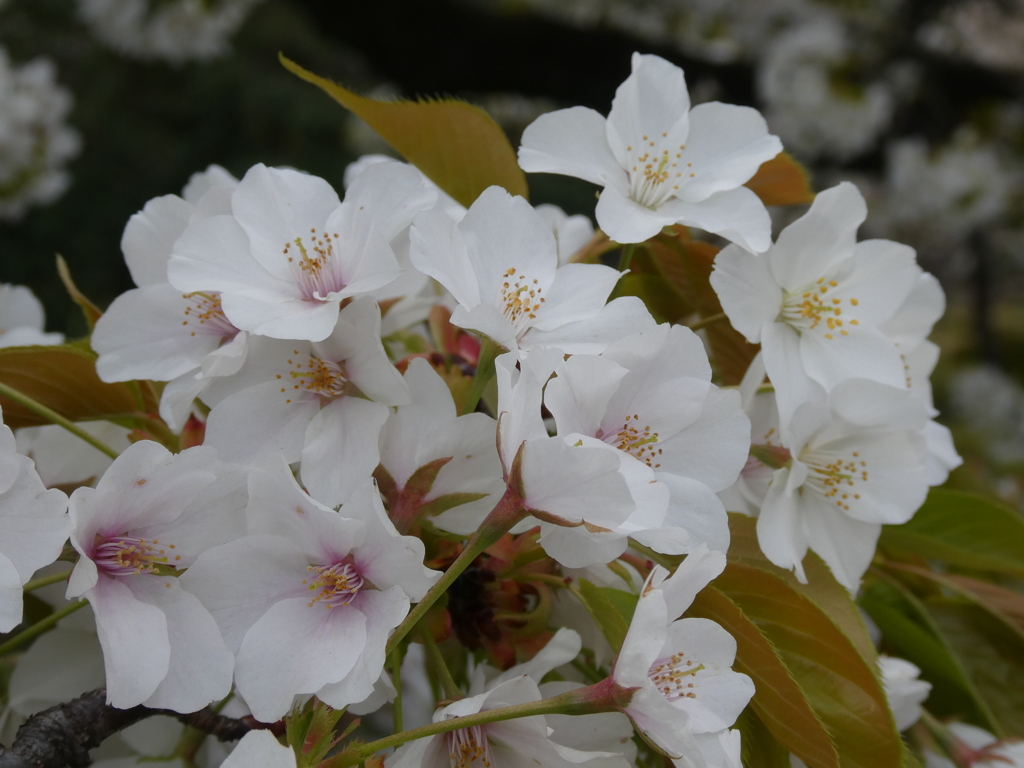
(845, 544)
(282, 318)
(735, 214)
(260, 420)
(863, 352)
(578, 396)
(260, 749)
(618, 318)
(439, 250)
(780, 527)
(747, 290)
(626, 221)
(579, 292)
(781, 352)
(571, 142)
(391, 194)
(149, 238)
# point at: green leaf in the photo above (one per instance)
(64, 379)
(759, 747)
(605, 612)
(90, 311)
(458, 146)
(624, 602)
(779, 702)
(961, 528)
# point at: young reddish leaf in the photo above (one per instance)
(779, 702)
(63, 378)
(961, 528)
(782, 181)
(91, 311)
(458, 146)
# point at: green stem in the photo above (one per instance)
(704, 322)
(45, 581)
(451, 688)
(581, 701)
(396, 679)
(55, 418)
(506, 513)
(942, 735)
(627, 256)
(484, 373)
(40, 626)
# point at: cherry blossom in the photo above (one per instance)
(903, 689)
(501, 265)
(149, 516)
(260, 749)
(307, 600)
(660, 162)
(289, 252)
(22, 318)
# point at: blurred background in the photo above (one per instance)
(105, 104)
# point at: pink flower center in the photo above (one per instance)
(674, 676)
(130, 556)
(334, 584)
(469, 748)
(639, 442)
(325, 378)
(315, 265)
(206, 316)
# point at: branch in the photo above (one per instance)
(63, 735)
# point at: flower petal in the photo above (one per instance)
(572, 142)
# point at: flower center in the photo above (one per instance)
(673, 676)
(321, 377)
(206, 316)
(519, 300)
(639, 442)
(469, 748)
(654, 173)
(835, 477)
(130, 556)
(315, 265)
(334, 584)
(807, 309)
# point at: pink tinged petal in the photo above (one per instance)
(227, 359)
(571, 142)
(579, 292)
(627, 221)
(781, 349)
(150, 333)
(430, 752)
(578, 396)
(438, 249)
(149, 238)
(10, 464)
(747, 290)
(845, 544)
(735, 214)
(651, 102)
(620, 317)
(10, 595)
(714, 447)
(238, 582)
(575, 482)
(780, 527)
(560, 649)
(199, 670)
(726, 146)
(663, 724)
(915, 317)
(276, 205)
(133, 635)
(696, 509)
(294, 649)
(260, 749)
(693, 574)
(261, 420)
(356, 340)
(383, 612)
(340, 449)
(282, 318)
(863, 352)
(390, 195)
(718, 750)
(214, 255)
(818, 241)
(719, 694)
(33, 522)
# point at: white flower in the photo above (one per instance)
(538, 740)
(717, 750)
(290, 252)
(22, 318)
(307, 600)
(578, 493)
(62, 458)
(35, 141)
(260, 749)
(988, 751)
(176, 31)
(681, 668)
(323, 402)
(650, 396)
(847, 468)
(816, 301)
(501, 265)
(660, 162)
(33, 527)
(155, 331)
(150, 514)
(436, 464)
(903, 689)
(571, 232)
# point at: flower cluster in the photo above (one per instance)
(376, 401)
